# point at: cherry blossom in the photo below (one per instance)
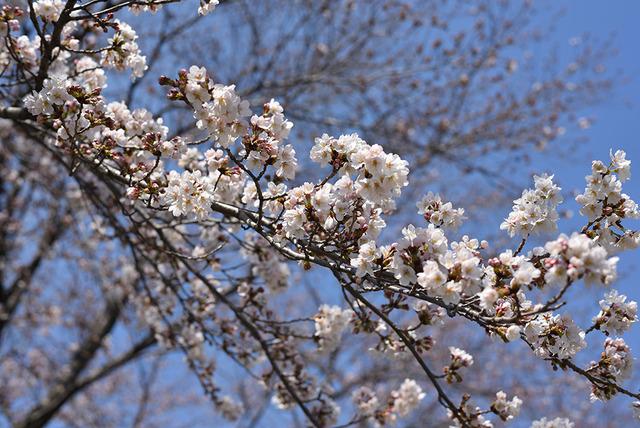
(331, 322)
(553, 423)
(535, 210)
(209, 224)
(616, 315)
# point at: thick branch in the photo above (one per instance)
(67, 385)
(15, 113)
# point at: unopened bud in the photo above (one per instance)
(165, 81)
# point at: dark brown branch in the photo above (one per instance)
(65, 387)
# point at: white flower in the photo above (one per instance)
(407, 397)
(620, 164)
(615, 365)
(403, 273)
(293, 222)
(524, 274)
(616, 314)
(189, 193)
(364, 263)
(488, 297)
(555, 336)
(37, 104)
(578, 257)
(460, 358)
(286, 163)
(432, 277)
(124, 51)
(230, 409)
(48, 10)
(513, 333)
(553, 423)
(535, 210)
(365, 401)
(439, 213)
(321, 151)
(207, 6)
(331, 321)
(506, 409)
(53, 92)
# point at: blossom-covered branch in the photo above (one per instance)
(207, 220)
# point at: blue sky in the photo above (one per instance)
(618, 123)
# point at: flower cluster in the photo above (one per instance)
(519, 268)
(444, 273)
(207, 6)
(145, 6)
(459, 359)
(366, 401)
(535, 210)
(506, 409)
(578, 256)
(417, 245)
(367, 258)
(554, 336)
(440, 213)
(615, 365)
(206, 180)
(379, 176)
(406, 398)
(230, 409)
(124, 52)
(472, 415)
(266, 262)
(305, 386)
(331, 322)
(264, 147)
(217, 108)
(605, 205)
(53, 93)
(189, 193)
(342, 210)
(48, 10)
(553, 423)
(401, 402)
(326, 412)
(616, 314)
(90, 75)
(504, 280)
(26, 50)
